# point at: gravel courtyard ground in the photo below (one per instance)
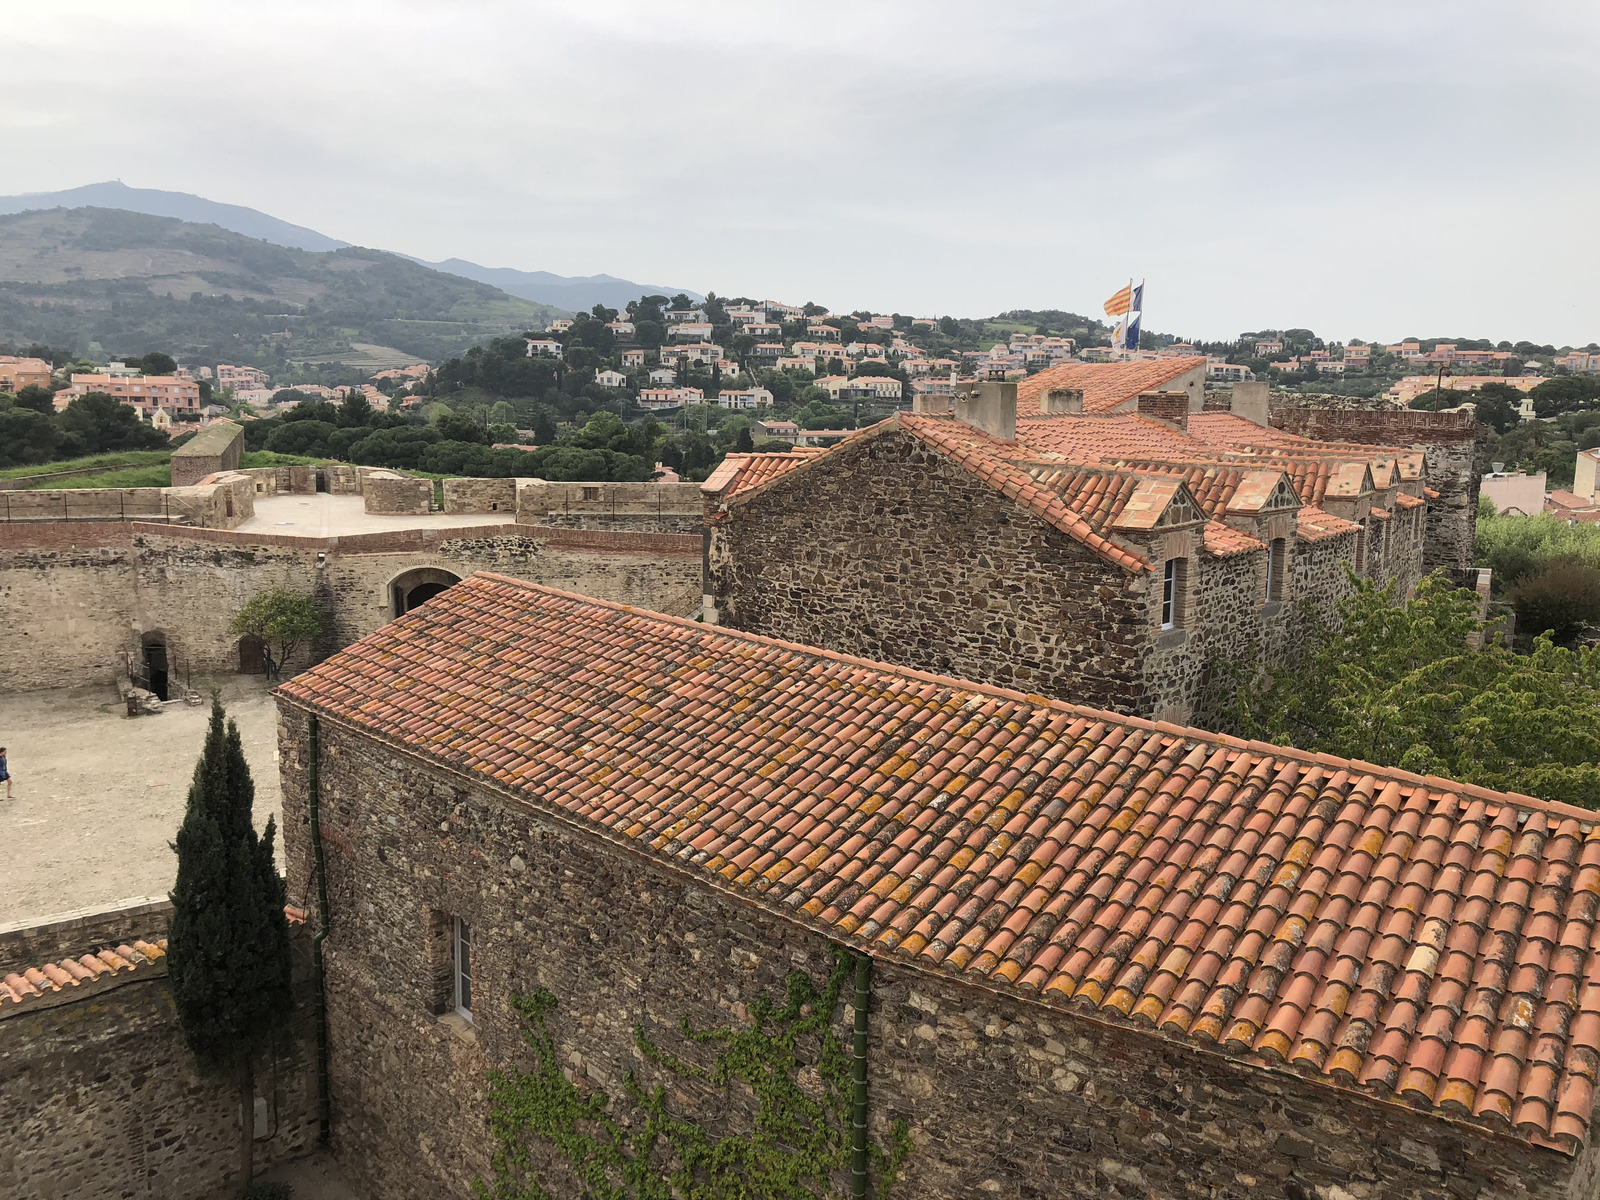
(99, 794)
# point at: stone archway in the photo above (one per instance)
(418, 586)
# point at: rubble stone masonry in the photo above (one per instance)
(1002, 1097)
(896, 554)
(1449, 443)
(99, 1096)
(76, 597)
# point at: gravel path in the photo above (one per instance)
(100, 795)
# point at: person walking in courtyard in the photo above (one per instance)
(5, 772)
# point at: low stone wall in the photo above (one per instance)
(29, 943)
(481, 495)
(220, 502)
(664, 507)
(273, 481)
(99, 1096)
(386, 492)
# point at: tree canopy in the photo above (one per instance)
(1403, 685)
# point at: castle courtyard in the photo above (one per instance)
(99, 794)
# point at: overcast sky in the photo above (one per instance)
(1366, 170)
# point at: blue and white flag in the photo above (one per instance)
(1130, 339)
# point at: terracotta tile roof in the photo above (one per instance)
(1312, 524)
(1225, 541)
(1106, 387)
(1226, 431)
(1405, 501)
(738, 472)
(1093, 440)
(36, 985)
(1564, 499)
(1421, 941)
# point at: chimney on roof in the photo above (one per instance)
(990, 406)
(1250, 401)
(1061, 400)
(1171, 407)
(937, 406)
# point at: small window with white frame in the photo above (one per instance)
(1172, 580)
(461, 963)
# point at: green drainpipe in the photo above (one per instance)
(858, 1106)
(321, 935)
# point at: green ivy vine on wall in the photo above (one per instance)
(797, 1145)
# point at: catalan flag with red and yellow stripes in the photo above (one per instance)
(1121, 302)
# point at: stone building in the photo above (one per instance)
(215, 448)
(1080, 543)
(1102, 956)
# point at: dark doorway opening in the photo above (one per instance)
(155, 667)
(422, 593)
(322, 480)
(252, 656)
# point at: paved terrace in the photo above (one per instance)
(323, 515)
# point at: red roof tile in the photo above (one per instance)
(1106, 387)
(84, 975)
(1424, 941)
(740, 472)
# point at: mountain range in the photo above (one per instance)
(107, 282)
(570, 293)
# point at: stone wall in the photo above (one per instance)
(481, 495)
(640, 507)
(99, 1096)
(221, 503)
(386, 492)
(896, 554)
(28, 943)
(1003, 1097)
(76, 598)
(1449, 441)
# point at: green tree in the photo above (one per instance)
(228, 939)
(282, 621)
(40, 399)
(458, 427)
(1404, 685)
(355, 410)
(26, 438)
(104, 423)
(743, 442)
(156, 363)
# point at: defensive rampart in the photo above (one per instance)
(80, 599)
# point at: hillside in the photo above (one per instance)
(576, 293)
(126, 282)
(182, 205)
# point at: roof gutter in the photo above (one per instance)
(320, 868)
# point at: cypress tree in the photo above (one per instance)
(228, 941)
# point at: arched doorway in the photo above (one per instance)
(417, 587)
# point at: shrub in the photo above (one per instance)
(1562, 598)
